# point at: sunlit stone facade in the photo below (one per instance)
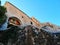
(24, 20)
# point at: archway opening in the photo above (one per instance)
(14, 21)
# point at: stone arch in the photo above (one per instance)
(14, 21)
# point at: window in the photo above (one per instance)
(31, 23)
(22, 17)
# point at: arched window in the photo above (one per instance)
(14, 21)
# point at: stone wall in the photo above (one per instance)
(13, 11)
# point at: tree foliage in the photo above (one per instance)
(2, 14)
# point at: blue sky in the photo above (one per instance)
(42, 10)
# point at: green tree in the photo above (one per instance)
(2, 14)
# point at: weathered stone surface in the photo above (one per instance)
(28, 35)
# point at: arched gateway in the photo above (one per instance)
(14, 21)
